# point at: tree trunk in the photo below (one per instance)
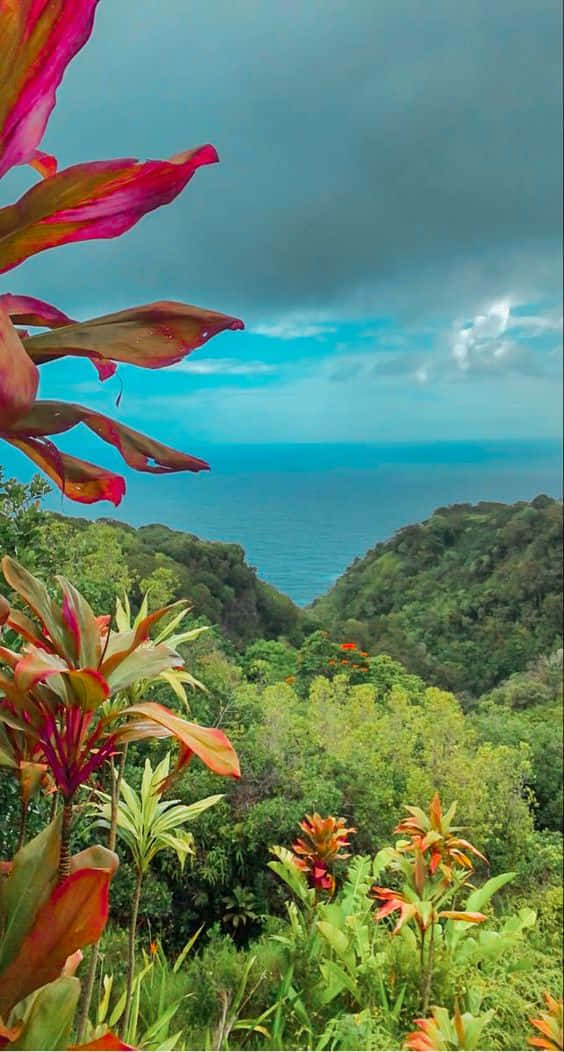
(65, 855)
(131, 955)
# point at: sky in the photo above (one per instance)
(385, 219)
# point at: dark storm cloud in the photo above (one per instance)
(378, 156)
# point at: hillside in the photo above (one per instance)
(105, 557)
(464, 599)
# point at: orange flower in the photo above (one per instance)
(290, 679)
(154, 948)
(363, 653)
(332, 662)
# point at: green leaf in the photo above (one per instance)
(50, 1017)
(186, 950)
(337, 940)
(290, 874)
(479, 898)
(27, 888)
(34, 593)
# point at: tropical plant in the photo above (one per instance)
(433, 869)
(45, 923)
(549, 1025)
(442, 1032)
(321, 846)
(96, 200)
(148, 825)
(239, 907)
(58, 690)
(172, 633)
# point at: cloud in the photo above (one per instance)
(290, 328)
(223, 367)
(377, 158)
(484, 346)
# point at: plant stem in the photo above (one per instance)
(429, 973)
(422, 965)
(65, 855)
(131, 953)
(91, 977)
(23, 824)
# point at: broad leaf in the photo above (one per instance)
(208, 743)
(38, 42)
(479, 898)
(152, 336)
(49, 1020)
(27, 888)
(101, 199)
(74, 916)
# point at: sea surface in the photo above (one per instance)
(304, 512)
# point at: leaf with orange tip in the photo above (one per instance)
(151, 336)
(208, 743)
(79, 480)
(550, 1025)
(462, 915)
(101, 199)
(74, 916)
(435, 812)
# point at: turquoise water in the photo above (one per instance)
(304, 512)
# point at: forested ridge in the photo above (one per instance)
(465, 599)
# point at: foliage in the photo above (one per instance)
(45, 922)
(97, 200)
(549, 1025)
(56, 690)
(464, 599)
(442, 1033)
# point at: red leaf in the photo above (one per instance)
(106, 1043)
(139, 451)
(19, 378)
(151, 336)
(26, 310)
(78, 479)
(74, 916)
(101, 199)
(38, 42)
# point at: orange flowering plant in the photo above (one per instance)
(323, 843)
(432, 866)
(549, 1025)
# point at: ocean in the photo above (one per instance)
(304, 512)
